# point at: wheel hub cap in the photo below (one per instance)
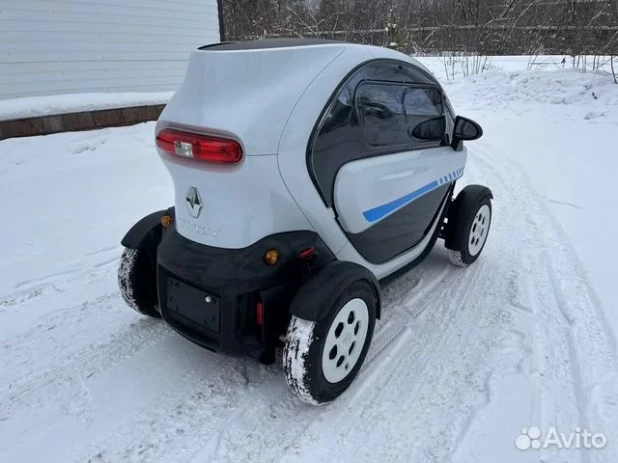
(479, 230)
(345, 340)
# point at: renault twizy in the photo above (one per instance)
(305, 171)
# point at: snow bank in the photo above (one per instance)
(20, 108)
(456, 65)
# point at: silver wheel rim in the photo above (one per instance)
(479, 230)
(345, 340)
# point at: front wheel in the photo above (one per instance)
(322, 358)
(470, 226)
(137, 281)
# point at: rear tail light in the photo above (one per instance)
(307, 253)
(259, 313)
(202, 147)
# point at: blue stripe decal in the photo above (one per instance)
(379, 212)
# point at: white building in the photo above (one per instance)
(52, 47)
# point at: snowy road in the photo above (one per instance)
(462, 360)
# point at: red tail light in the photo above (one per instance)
(259, 313)
(202, 147)
(307, 253)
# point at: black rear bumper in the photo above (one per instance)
(210, 295)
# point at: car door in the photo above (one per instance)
(387, 193)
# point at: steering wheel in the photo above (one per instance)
(376, 110)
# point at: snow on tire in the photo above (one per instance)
(295, 358)
(137, 283)
(322, 358)
(456, 259)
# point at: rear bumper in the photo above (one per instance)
(210, 295)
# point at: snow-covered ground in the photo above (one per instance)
(462, 360)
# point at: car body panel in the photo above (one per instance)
(240, 204)
(365, 184)
(369, 190)
(270, 101)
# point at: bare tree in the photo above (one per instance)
(464, 26)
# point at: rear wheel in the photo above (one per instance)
(137, 281)
(322, 358)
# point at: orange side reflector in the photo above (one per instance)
(271, 257)
(166, 221)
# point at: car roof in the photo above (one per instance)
(286, 43)
(268, 43)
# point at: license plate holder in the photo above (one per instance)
(194, 304)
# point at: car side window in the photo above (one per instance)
(422, 104)
(382, 114)
(340, 113)
(390, 112)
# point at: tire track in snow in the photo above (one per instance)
(553, 369)
(575, 310)
(271, 428)
(30, 390)
(367, 394)
(203, 400)
(398, 417)
(566, 253)
(62, 281)
(416, 372)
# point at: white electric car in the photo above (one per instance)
(305, 171)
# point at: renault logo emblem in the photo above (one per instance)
(194, 202)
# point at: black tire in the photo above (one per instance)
(305, 344)
(471, 215)
(137, 281)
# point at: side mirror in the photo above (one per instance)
(431, 129)
(466, 130)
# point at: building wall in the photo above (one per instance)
(84, 46)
